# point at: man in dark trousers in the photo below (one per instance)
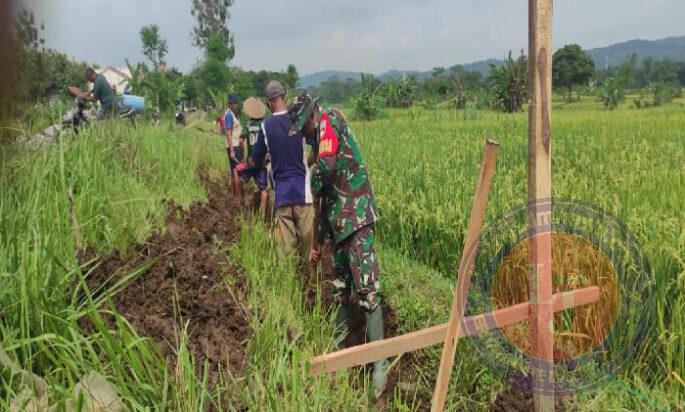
(233, 132)
(293, 195)
(348, 214)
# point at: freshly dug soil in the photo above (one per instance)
(186, 284)
(518, 396)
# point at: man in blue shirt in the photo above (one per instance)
(291, 177)
(233, 132)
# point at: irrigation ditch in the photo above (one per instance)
(185, 284)
(189, 281)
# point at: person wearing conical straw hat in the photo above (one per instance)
(255, 111)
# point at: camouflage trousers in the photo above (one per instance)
(356, 269)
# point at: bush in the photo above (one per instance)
(657, 95)
(642, 101)
(368, 104)
(612, 93)
(430, 102)
(663, 93)
(509, 84)
(459, 100)
(401, 92)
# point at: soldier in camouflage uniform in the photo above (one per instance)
(348, 213)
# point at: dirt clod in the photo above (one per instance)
(517, 395)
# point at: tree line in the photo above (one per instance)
(40, 73)
(505, 87)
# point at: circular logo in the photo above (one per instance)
(603, 294)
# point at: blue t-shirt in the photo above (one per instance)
(228, 120)
(288, 160)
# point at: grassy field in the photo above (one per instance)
(423, 165)
(628, 162)
(119, 177)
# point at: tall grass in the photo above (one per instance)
(119, 175)
(288, 331)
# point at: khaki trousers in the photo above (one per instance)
(296, 224)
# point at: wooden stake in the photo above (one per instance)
(472, 325)
(468, 257)
(540, 202)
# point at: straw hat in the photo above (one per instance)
(254, 108)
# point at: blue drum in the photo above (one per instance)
(137, 103)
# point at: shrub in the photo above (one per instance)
(612, 93)
(367, 106)
(401, 92)
(663, 93)
(657, 94)
(508, 84)
(369, 103)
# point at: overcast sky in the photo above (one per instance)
(360, 35)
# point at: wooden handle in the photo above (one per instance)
(480, 201)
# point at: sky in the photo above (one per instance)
(358, 35)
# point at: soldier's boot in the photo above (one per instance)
(342, 323)
(374, 331)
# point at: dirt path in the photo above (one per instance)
(185, 285)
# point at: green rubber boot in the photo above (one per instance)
(374, 332)
(342, 328)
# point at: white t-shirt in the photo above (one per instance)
(232, 122)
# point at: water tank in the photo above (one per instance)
(137, 103)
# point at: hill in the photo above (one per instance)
(672, 48)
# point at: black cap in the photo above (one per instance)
(233, 99)
(301, 110)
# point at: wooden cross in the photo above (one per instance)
(543, 304)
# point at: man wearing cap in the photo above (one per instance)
(348, 214)
(233, 133)
(287, 151)
(255, 111)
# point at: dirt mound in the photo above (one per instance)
(185, 284)
(518, 396)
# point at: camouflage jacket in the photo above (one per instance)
(341, 179)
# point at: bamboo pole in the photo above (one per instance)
(468, 257)
(540, 202)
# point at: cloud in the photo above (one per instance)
(371, 36)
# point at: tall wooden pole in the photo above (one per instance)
(468, 259)
(540, 202)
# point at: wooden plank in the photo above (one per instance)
(468, 258)
(473, 325)
(539, 201)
